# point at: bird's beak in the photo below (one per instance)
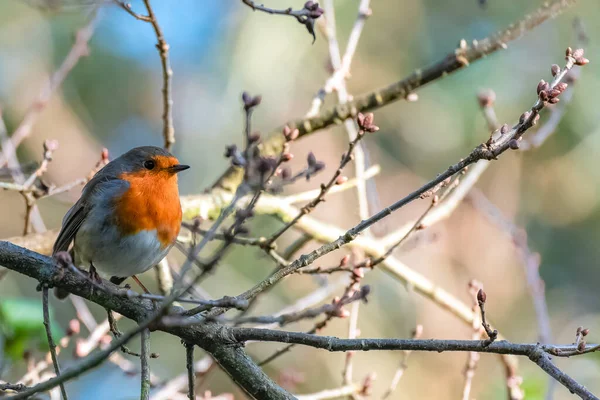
(178, 168)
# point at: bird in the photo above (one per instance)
(127, 218)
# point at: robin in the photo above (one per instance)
(128, 216)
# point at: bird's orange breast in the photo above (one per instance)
(150, 203)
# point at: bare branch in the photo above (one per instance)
(84, 365)
(180, 382)
(457, 60)
(473, 357)
(232, 358)
(163, 51)
(335, 308)
(366, 126)
(189, 365)
(481, 299)
(145, 365)
(490, 150)
(306, 16)
(127, 7)
(539, 354)
(51, 344)
(347, 390)
(338, 82)
(403, 365)
(530, 260)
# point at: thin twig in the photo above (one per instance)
(416, 226)
(346, 158)
(51, 344)
(278, 353)
(167, 71)
(97, 334)
(32, 213)
(189, 365)
(310, 300)
(227, 301)
(287, 11)
(127, 7)
(163, 51)
(351, 183)
(538, 353)
(84, 365)
(180, 382)
(335, 309)
(346, 390)
(114, 329)
(491, 333)
(403, 365)
(351, 291)
(145, 365)
(473, 357)
(530, 260)
(536, 139)
(338, 81)
(486, 151)
(442, 210)
(306, 16)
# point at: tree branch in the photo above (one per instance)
(454, 61)
(163, 51)
(223, 342)
(145, 365)
(189, 365)
(211, 337)
(537, 353)
(51, 344)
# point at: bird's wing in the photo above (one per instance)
(71, 224)
(78, 213)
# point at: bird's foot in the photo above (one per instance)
(93, 275)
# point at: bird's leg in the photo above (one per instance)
(135, 278)
(93, 274)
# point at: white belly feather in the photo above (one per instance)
(127, 256)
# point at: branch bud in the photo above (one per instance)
(481, 296)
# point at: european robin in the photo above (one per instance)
(128, 215)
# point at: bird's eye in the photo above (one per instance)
(149, 164)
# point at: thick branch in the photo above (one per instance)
(211, 337)
(536, 352)
(223, 343)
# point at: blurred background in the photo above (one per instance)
(218, 49)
